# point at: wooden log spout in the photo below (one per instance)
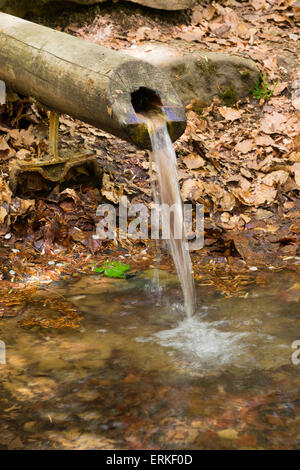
(102, 87)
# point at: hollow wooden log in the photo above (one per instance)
(102, 87)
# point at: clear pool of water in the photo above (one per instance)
(138, 374)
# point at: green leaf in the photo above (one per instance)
(262, 88)
(98, 269)
(113, 269)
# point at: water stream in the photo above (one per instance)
(133, 375)
(167, 194)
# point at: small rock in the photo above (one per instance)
(228, 434)
(29, 426)
(90, 415)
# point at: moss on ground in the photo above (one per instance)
(207, 66)
(229, 97)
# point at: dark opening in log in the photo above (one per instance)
(144, 100)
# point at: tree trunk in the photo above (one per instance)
(19, 7)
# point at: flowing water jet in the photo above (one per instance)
(167, 194)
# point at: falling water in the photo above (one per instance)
(168, 194)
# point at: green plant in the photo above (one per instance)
(113, 269)
(262, 88)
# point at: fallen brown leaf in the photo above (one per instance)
(264, 140)
(276, 177)
(193, 161)
(230, 114)
(273, 123)
(245, 146)
(296, 170)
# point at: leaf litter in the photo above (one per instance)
(241, 162)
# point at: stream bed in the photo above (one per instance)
(135, 373)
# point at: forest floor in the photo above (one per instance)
(248, 170)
